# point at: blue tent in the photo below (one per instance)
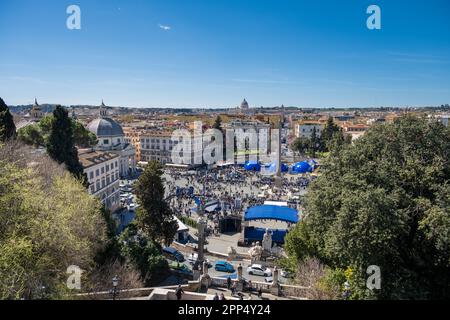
(253, 234)
(272, 213)
(252, 166)
(273, 167)
(302, 167)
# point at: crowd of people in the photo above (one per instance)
(233, 188)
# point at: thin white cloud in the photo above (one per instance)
(165, 28)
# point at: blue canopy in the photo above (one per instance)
(272, 213)
(302, 167)
(252, 234)
(252, 166)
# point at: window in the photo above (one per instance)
(103, 183)
(105, 141)
(107, 167)
(103, 170)
(97, 184)
(92, 188)
(91, 175)
(97, 172)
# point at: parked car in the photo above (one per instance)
(259, 270)
(180, 268)
(268, 279)
(173, 254)
(192, 259)
(285, 274)
(224, 266)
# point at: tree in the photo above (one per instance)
(31, 135)
(60, 144)
(218, 123)
(331, 135)
(7, 127)
(38, 134)
(144, 253)
(384, 201)
(314, 143)
(83, 137)
(154, 216)
(47, 222)
(300, 145)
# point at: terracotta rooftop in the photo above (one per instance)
(92, 158)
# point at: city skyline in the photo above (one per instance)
(201, 54)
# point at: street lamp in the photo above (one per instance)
(115, 283)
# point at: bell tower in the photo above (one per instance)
(103, 112)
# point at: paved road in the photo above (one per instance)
(213, 273)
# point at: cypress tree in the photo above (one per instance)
(60, 144)
(154, 215)
(7, 127)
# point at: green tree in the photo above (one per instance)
(31, 135)
(154, 215)
(144, 253)
(332, 135)
(218, 123)
(7, 127)
(38, 134)
(60, 144)
(83, 137)
(47, 222)
(314, 143)
(300, 145)
(384, 201)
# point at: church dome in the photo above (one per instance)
(244, 104)
(105, 127)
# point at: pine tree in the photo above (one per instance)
(218, 123)
(154, 215)
(313, 143)
(60, 144)
(7, 127)
(329, 134)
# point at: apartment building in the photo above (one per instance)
(305, 128)
(103, 172)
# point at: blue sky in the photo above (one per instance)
(217, 52)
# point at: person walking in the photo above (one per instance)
(233, 289)
(259, 292)
(216, 297)
(179, 292)
(229, 283)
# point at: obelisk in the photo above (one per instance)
(278, 180)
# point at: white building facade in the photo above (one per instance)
(102, 171)
(305, 129)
